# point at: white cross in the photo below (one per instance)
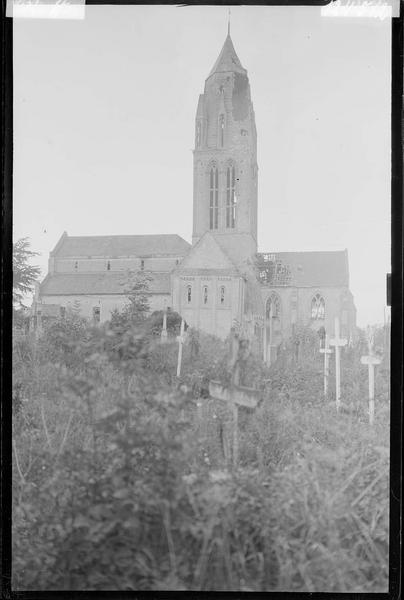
(268, 346)
(164, 330)
(371, 361)
(180, 340)
(327, 351)
(338, 342)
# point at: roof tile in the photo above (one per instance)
(121, 245)
(60, 284)
(311, 269)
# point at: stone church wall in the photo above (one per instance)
(107, 303)
(214, 316)
(89, 265)
(296, 308)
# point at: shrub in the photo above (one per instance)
(119, 479)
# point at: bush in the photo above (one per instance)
(119, 478)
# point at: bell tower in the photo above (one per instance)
(225, 159)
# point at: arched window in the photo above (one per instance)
(222, 295)
(198, 136)
(213, 198)
(221, 131)
(231, 196)
(108, 266)
(318, 307)
(189, 294)
(273, 307)
(205, 294)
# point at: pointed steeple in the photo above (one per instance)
(228, 59)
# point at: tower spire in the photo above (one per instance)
(228, 22)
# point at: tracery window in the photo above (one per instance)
(231, 196)
(273, 307)
(221, 131)
(213, 198)
(318, 307)
(205, 294)
(189, 294)
(222, 294)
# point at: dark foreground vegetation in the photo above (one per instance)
(119, 479)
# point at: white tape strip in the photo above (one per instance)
(377, 9)
(43, 9)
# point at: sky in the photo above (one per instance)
(104, 113)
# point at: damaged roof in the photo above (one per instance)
(309, 269)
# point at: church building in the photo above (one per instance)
(219, 281)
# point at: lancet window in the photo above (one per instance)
(318, 307)
(189, 294)
(213, 198)
(231, 196)
(222, 295)
(273, 307)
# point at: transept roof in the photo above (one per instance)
(311, 269)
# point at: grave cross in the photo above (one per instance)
(164, 330)
(180, 340)
(235, 394)
(338, 342)
(327, 351)
(268, 321)
(371, 361)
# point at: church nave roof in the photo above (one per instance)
(113, 246)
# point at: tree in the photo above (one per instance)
(136, 289)
(156, 319)
(24, 274)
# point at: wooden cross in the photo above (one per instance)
(235, 395)
(180, 339)
(327, 351)
(338, 342)
(371, 361)
(268, 346)
(164, 330)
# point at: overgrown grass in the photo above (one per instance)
(120, 481)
